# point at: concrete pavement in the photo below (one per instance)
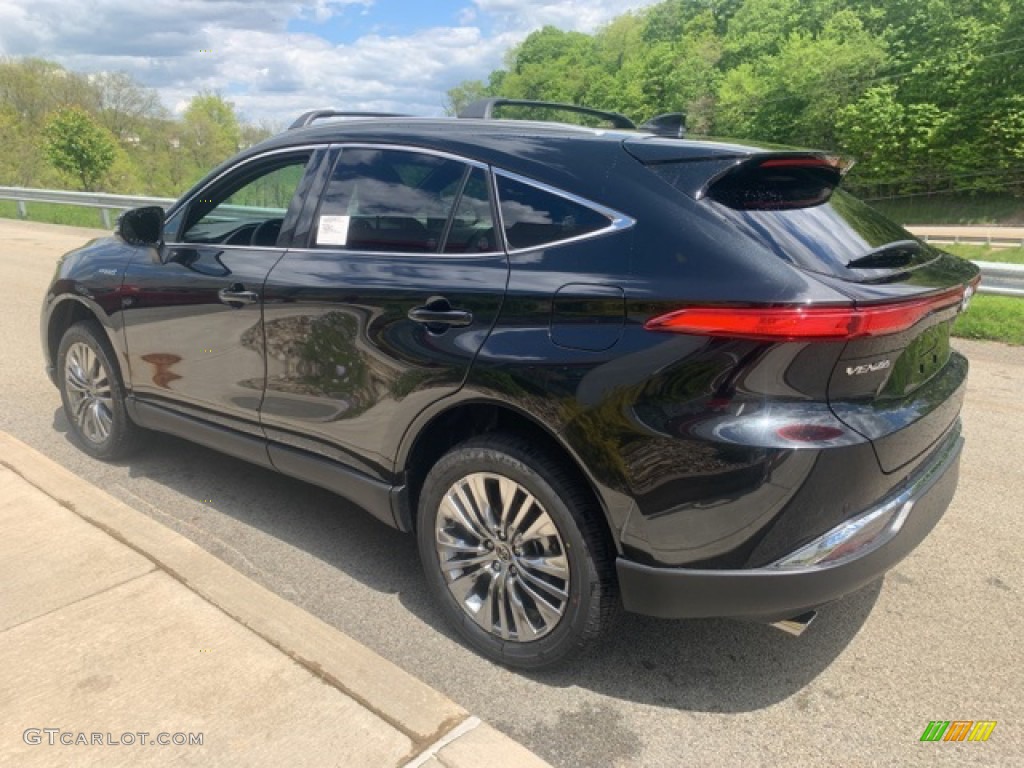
(123, 643)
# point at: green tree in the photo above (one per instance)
(34, 88)
(30, 91)
(210, 131)
(551, 65)
(459, 97)
(893, 142)
(76, 145)
(792, 96)
(122, 105)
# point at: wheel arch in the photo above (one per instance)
(67, 311)
(468, 418)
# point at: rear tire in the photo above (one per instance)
(93, 394)
(515, 553)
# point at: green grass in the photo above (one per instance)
(993, 318)
(53, 213)
(954, 210)
(984, 253)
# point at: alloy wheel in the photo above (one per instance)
(502, 556)
(87, 383)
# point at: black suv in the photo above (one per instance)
(587, 367)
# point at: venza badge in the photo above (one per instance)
(859, 370)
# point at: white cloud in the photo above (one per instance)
(291, 73)
(578, 15)
(243, 49)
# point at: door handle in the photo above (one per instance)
(236, 296)
(438, 312)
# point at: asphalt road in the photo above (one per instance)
(939, 639)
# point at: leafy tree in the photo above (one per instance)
(34, 88)
(76, 145)
(792, 96)
(21, 163)
(210, 131)
(30, 91)
(122, 105)
(459, 97)
(892, 142)
(551, 65)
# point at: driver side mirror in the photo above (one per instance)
(142, 226)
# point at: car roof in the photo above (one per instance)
(571, 157)
(493, 137)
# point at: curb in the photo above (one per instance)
(442, 732)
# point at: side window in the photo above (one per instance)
(388, 200)
(247, 208)
(472, 229)
(533, 216)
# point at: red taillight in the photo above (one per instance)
(799, 162)
(804, 323)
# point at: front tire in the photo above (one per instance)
(93, 395)
(515, 552)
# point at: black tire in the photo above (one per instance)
(581, 542)
(121, 437)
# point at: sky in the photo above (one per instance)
(277, 58)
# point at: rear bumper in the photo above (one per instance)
(796, 583)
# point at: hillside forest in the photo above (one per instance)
(926, 95)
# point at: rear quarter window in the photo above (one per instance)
(534, 217)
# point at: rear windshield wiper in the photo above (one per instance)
(901, 253)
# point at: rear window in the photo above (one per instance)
(830, 233)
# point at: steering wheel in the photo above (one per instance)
(266, 233)
(241, 236)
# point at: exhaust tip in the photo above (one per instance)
(797, 625)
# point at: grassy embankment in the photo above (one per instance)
(994, 318)
(954, 210)
(51, 213)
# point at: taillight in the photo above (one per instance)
(805, 323)
(831, 163)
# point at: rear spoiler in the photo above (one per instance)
(776, 181)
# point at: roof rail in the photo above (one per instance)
(308, 118)
(484, 110)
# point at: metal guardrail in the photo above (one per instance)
(106, 203)
(1000, 279)
(994, 237)
(997, 278)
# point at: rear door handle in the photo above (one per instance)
(236, 296)
(438, 312)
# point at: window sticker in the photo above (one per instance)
(333, 230)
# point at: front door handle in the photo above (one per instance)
(236, 296)
(438, 313)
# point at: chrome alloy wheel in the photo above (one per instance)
(502, 557)
(87, 383)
